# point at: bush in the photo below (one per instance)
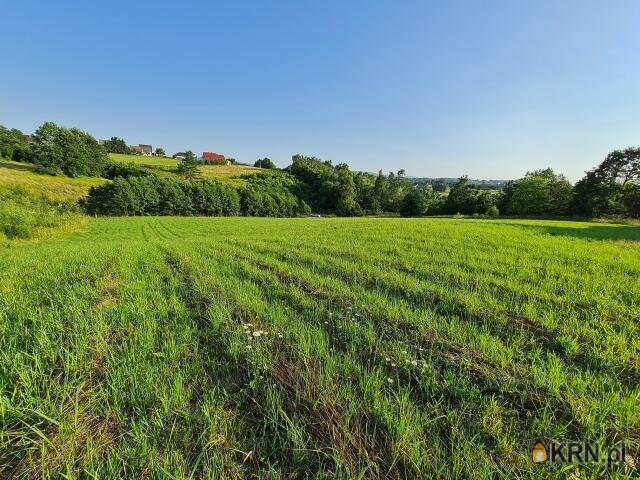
(72, 151)
(264, 163)
(493, 211)
(13, 145)
(153, 195)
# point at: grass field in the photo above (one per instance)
(316, 348)
(54, 188)
(165, 165)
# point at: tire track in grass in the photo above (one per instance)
(67, 422)
(298, 380)
(226, 371)
(563, 400)
(404, 376)
(500, 324)
(480, 265)
(393, 327)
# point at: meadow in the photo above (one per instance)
(25, 176)
(165, 347)
(166, 166)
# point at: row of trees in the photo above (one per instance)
(153, 195)
(610, 189)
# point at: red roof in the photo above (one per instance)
(212, 156)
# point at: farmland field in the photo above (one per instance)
(316, 348)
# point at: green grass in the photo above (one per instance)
(392, 348)
(53, 188)
(166, 166)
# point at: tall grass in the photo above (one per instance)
(317, 348)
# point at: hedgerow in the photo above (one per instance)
(152, 195)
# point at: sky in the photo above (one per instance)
(484, 88)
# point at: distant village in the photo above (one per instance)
(211, 158)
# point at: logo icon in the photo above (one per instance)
(539, 453)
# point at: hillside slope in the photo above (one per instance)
(164, 165)
(54, 188)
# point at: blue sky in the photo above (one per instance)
(488, 89)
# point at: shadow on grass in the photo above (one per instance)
(23, 167)
(591, 232)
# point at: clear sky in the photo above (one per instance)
(489, 89)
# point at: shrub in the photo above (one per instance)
(493, 211)
(264, 163)
(71, 150)
(13, 145)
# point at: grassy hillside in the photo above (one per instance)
(54, 188)
(316, 348)
(165, 165)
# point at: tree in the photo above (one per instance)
(602, 191)
(419, 202)
(68, 150)
(188, 166)
(631, 199)
(540, 192)
(116, 145)
(13, 145)
(264, 163)
(160, 152)
(461, 198)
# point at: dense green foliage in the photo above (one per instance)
(612, 188)
(67, 150)
(420, 202)
(465, 199)
(273, 194)
(238, 348)
(160, 152)
(116, 145)
(539, 193)
(264, 163)
(338, 190)
(153, 195)
(14, 145)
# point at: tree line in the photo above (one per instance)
(310, 184)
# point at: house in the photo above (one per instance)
(213, 158)
(179, 155)
(141, 148)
